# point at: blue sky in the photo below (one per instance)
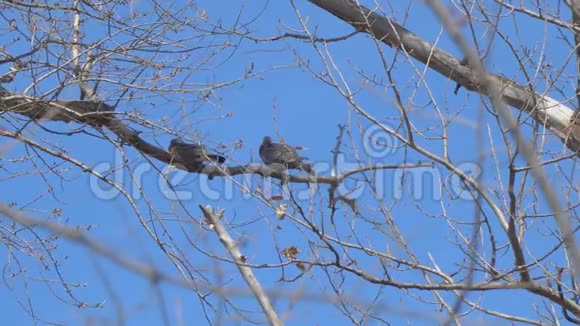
(287, 102)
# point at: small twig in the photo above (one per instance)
(304, 37)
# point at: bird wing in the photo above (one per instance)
(189, 153)
(284, 154)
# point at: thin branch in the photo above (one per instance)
(25, 54)
(75, 235)
(303, 37)
(539, 16)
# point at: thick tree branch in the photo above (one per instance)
(99, 114)
(90, 112)
(547, 111)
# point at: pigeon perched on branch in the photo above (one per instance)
(282, 154)
(192, 155)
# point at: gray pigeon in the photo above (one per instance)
(192, 155)
(286, 155)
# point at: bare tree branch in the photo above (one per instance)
(547, 111)
(232, 248)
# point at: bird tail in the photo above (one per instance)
(216, 158)
(307, 167)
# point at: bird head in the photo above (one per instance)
(267, 140)
(175, 141)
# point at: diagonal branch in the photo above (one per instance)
(547, 111)
(232, 248)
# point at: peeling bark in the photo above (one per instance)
(90, 112)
